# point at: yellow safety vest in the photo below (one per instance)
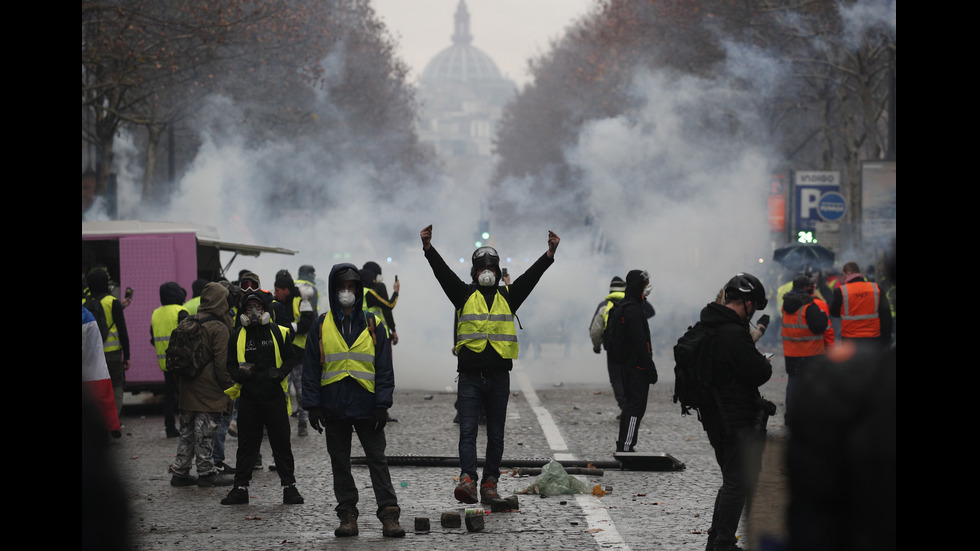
(618, 295)
(192, 305)
(112, 341)
(284, 331)
(376, 310)
(340, 361)
(163, 322)
(478, 325)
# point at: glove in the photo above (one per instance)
(379, 419)
(316, 419)
(764, 320)
(234, 391)
(597, 349)
(275, 375)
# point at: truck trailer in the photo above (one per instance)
(142, 256)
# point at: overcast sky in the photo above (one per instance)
(509, 31)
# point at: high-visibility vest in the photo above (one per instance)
(611, 300)
(283, 332)
(162, 323)
(112, 341)
(828, 333)
(340, 361)
(859, 310)
(479, 324)
(798, 340)
(192, 305)
(376, 310)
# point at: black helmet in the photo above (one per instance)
(748, 287)
(485, 257)
(346, 274)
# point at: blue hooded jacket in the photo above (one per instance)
(347, 399)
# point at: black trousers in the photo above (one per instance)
(253, 415)
(339, 434)
(636, 390)
(738, 450)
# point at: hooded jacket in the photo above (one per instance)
(206, 392)
(165, 319)
(738, 369)
(98, 284)
(260, 345)
(636, 325)
(346, 398)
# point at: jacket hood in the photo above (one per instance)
(214, 301)
(635, 284)
(98, 282)
(794, 300)
(172, 293)
(335, 306)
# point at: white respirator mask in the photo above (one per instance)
(487, 278)
(255, 318)
(346, 298)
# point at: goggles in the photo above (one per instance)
(486, 255)
(249, 285)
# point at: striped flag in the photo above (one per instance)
(95, 373)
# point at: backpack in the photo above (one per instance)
(692, 372)
(188, 351)
(614, 335)
(93, 305)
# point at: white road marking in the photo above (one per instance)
(605, 535)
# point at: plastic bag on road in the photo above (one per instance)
(554, 480)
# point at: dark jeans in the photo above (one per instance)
(738, 451)
(636, 390)
(490, 390)
(339, 433)
(253, 415)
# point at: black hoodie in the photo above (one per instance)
(635, 322)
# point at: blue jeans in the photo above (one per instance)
(490, 389)
(222, 435)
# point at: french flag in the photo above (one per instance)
(95, 373)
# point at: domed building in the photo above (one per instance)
(463, 93)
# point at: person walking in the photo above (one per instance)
(202, 399)
(162, 322)
(736, 417)
(633, 355)
(486, 347)
(348, 383)
(259, 363)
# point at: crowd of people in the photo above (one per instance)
(333, 353)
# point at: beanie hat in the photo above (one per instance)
(284, 280)
(617, 285)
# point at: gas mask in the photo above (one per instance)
(255, 316)
(647, 290)
(346, 298)
(487, 278)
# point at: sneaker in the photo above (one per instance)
(466, 490)
(391, 419)
(237, 496)
(301, 430)
(290, 496)
(213, 479)
(182, 480)
(172, 432)
(488, 491)
(224, 468)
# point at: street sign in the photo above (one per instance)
(831, 206)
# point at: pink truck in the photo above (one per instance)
(144, 255)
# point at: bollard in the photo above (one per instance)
(421, 524)
(451, 520)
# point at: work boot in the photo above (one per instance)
(182, 480)
(488, 491)
(348, 523)
(389, 523)
(290, 495)
(301, 431)
(466, 490)
(237, 496)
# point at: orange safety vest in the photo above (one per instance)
(859, 310)
(798, 340)
(828, 334)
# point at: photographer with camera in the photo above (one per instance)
(736, 418)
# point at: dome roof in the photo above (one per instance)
(461, 62)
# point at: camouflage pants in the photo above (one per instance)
(197, 430)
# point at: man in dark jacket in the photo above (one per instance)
(637, 370)
(736, 418)
(348, 382)
(259, 359)
(486, 346)
(163, 321)
(116, 345)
